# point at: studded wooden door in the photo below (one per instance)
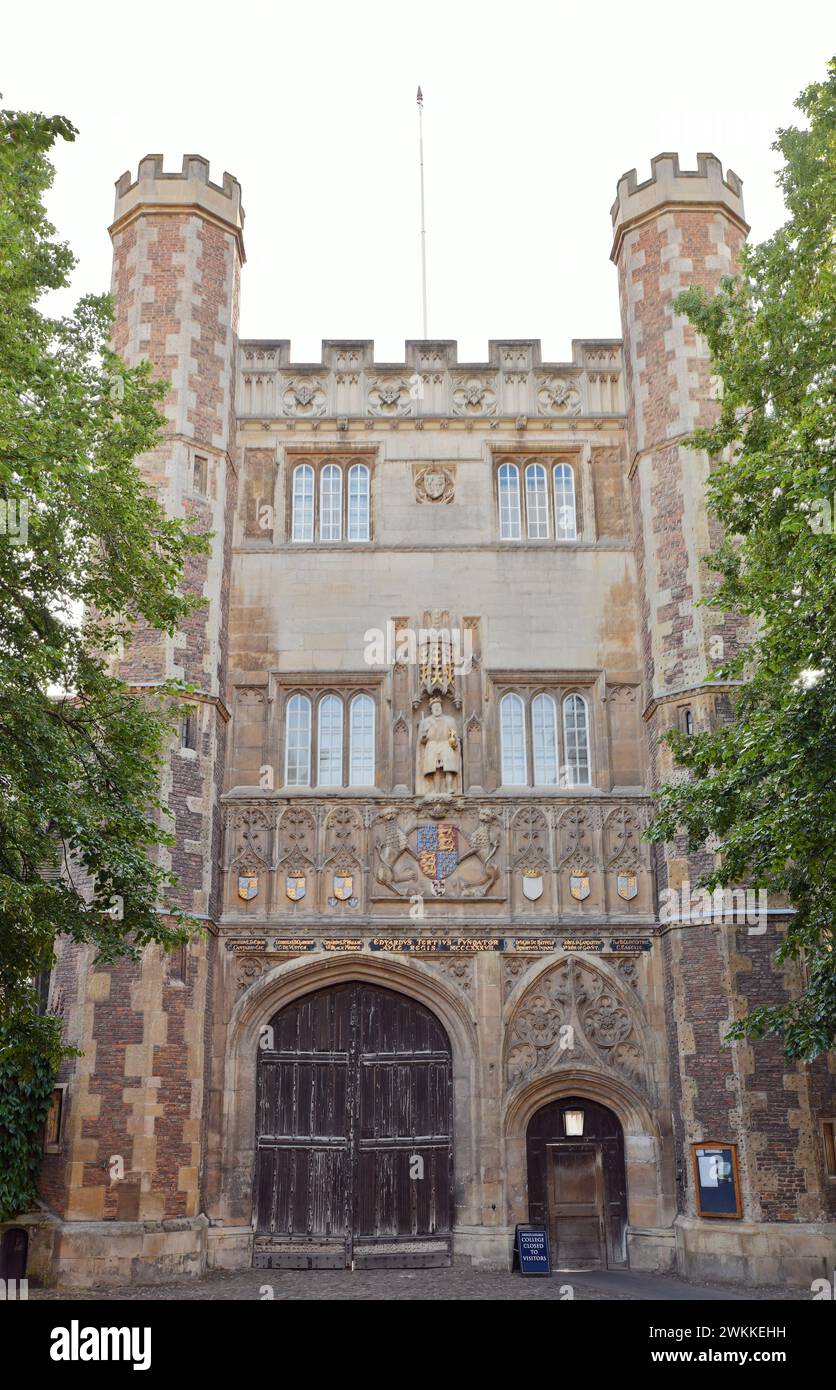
(354, 1158)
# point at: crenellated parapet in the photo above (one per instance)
(176, 192)
(670, 187)
(430, 382)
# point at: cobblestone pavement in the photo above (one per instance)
(436, 1285)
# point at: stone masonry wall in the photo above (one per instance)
(136, 1093)
(682, 229)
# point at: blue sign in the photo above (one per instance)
(531, 1244)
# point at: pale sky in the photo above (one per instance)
(532, 111)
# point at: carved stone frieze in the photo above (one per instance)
(622, 840)
(458, 971)
(297, 837)
(250, 835)
(574, 1016)
(247, 970)
(474, 396)
(458, 846)
(513, 969)
(559, 395)
(390, 397)
(529, 839)
(436, 853)
(304, 397)
(576, 847)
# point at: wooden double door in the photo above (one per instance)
(354, 1153)
(577, 1186)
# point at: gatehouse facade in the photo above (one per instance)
(444, 986)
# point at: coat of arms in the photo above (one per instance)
(343, 890)
(294, 887)
(343, 884)
(532, 884)
(579, 886)
(247, 887)
(438, 851)
(435, 484)
(627, 886)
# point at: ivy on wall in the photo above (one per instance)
(29, 1061)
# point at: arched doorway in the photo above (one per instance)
(577, 1184)
(354, 1153)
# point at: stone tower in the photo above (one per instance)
(677, 229)
(177, 257)
(138, 1090)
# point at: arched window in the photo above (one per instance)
(303, 503)
(361, 742)
(565, 515)
(512, 730)
(330, 742)
(508, 482)
(576, 736)
(358, 502)
(297, 760)
(331, 503)
(536, 502)
(544, 740)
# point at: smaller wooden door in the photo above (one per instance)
(14, 1246)
(577, 1207)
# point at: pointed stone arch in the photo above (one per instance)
(235, 1096)
(576, 1012)
(603, 1015)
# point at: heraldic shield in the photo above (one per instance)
(343, 886)
(532, 885)
(294, 887)
(438, 849)
(627, 886)
(579, 886)
(247, 887)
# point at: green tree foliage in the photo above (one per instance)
(764, 786)
(85, 551)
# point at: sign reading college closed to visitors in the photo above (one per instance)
(532, 1246)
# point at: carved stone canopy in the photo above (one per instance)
(436, 658)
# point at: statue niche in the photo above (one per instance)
(439, 754)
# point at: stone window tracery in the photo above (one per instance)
(329, 740)
(539, 750)
(539, 511)
(330, 500)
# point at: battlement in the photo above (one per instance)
(672, 187)
(156, 190)
(430, 381)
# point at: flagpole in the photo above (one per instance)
(423, 227)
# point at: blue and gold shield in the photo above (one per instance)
(438, 849)
(247, 887)
(294, 887)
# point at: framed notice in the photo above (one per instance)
(717, 1181)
